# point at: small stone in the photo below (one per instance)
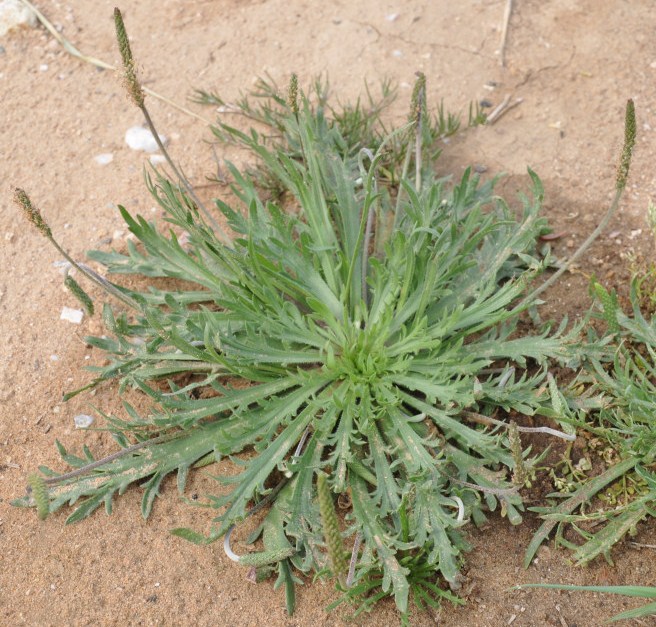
(104, 158)
(479, 168)
(71, 315)
(62, 265)
(392, 17)
(157, 159)
(43, 67)
(140, 138)
(83, 421)
(13, 13)
(397, 53)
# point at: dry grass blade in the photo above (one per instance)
(73, 51)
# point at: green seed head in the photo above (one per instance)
(131, 82)
(39, 491)
(629, 142)
(263, 558)
(418, 101)
(32, 213)
(330, 528)
(75, 289)
(651, 216)
(292, 94)
(519, 471)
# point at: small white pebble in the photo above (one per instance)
(43, 67)
(71, 315)
(83, 421)
(104, 158)
(14, 14)
(397, 53)
(140, 138)
(157, 159)
(62, 265)
(392, 17)
(652, 65)
(54, 357)
(117, 234)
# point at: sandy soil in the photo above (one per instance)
(574, 64)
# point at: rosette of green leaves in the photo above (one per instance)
(348, 332)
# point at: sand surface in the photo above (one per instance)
(573, 64)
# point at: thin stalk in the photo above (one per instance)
(404, 173)
(95, 277)
(418, 142)
(487, 420)
(417, 112)
(136, 93)
(354, 559)
(180, 176)
(620, 184)
(577, 254)
(504, 32)
(365, 255)
(33, 214)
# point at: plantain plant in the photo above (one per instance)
(620, 428)
(358, 331)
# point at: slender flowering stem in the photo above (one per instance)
(34, 216)
(136, 94)
(620, 184)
